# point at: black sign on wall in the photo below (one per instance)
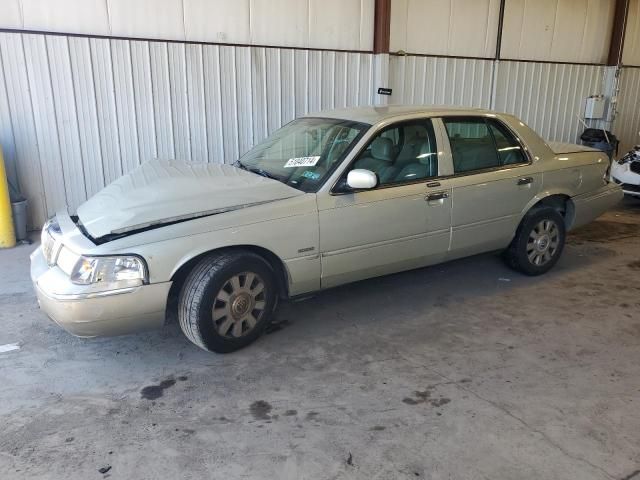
(384, 91)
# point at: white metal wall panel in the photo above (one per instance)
(39, 83)
(196, 100)
(7, 139)
(125, 104)
(66, 118)
(631, 51)
(329, 24)
(179, 100)
(144, 18)
(221, 21)
(161, 89)
(87, 114)
(79, 16)
(97, 108)
(11, 14)
(143, 100)
(548, 97)
(440, 81)
(330, 29)
(557, 30)
(627, 123)
(106, 109)
(243, 100)
(27, 153)
(273, 93)
(228, 97)
(445, 27)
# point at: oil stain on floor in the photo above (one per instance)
(153, 392)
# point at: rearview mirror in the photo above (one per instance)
(361, 179)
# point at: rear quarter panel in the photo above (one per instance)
(570, 174)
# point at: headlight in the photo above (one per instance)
(48, 241)
(112, 272)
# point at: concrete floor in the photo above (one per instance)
(462, 371)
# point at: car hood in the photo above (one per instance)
(159, 192)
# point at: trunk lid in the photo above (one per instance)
(560, 148)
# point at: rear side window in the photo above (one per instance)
(480, 144)
(472, 145)
(509, 150)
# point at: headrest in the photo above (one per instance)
(382, 149)
(424, 155)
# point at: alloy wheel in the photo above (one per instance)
(543, 242)
(239, 305)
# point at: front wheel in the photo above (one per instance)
(538, 242)
(227, 301)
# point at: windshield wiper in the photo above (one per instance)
(262, 172)
(241, 165)
(256, 170)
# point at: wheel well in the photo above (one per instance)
(562, 204)
(179, 277)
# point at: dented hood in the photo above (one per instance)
(161, 192)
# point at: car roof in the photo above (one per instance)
(373, 114)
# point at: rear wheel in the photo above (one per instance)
(227, 301)
(538, 242)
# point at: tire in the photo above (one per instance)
(227, 301)
(538, 242)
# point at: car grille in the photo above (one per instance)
(635, 167)
(630, 188)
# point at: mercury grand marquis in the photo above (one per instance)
(327, 199)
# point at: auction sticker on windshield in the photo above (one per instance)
(302, 162)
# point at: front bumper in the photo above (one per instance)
(98, 313)
(628, 180)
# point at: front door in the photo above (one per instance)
(493, 181)
(401, 224)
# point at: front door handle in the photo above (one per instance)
(436, 196)
(525, 180)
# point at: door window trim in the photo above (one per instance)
(375, 135)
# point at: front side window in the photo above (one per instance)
(303, 153)
(401, 153)
(479, 144)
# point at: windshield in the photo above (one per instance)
(303, 153)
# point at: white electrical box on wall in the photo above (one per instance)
(594, 107)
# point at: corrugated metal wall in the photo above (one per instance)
(76, 113)
(548, 97)
(440, 81)
(627, 124)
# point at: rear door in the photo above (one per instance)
(492, 182)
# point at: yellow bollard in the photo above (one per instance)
(7, 234)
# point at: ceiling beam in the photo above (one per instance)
(500, 29)
(381, 26)
(618, 31)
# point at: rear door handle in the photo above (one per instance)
(525, 180)
(436, 196)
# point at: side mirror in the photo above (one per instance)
(360, 179)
